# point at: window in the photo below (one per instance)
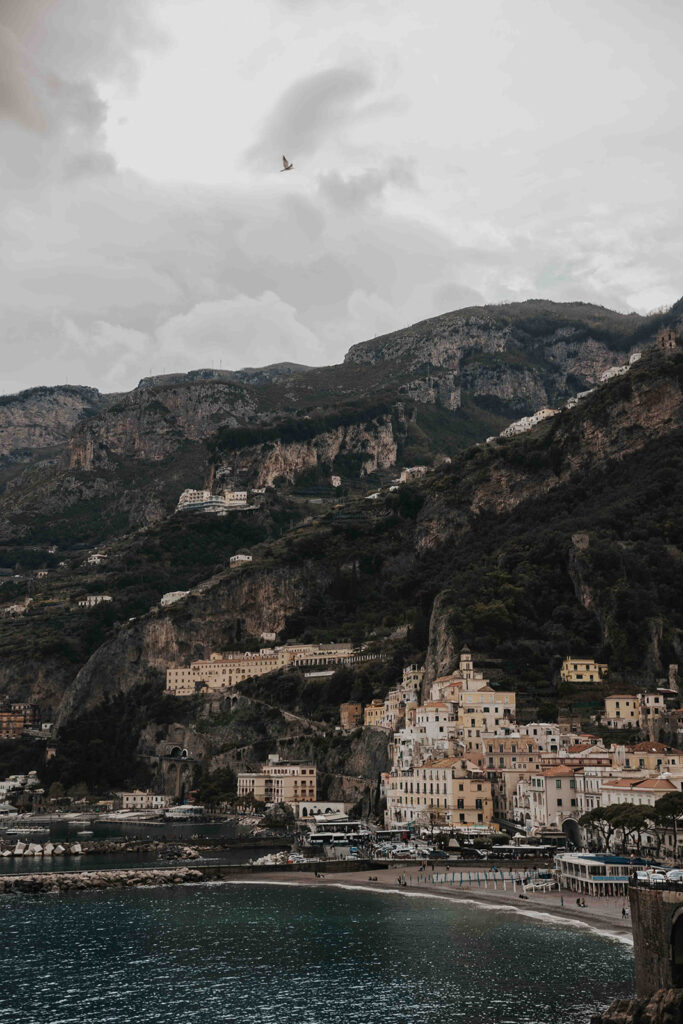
(558, 783)
(559, 801)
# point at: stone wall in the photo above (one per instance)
(656, 915)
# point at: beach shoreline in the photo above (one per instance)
(600, 914)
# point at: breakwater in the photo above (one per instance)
(169, 851)
(78, 881)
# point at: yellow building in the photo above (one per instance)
(654, 757)
(221, 671)
(448, 789)
(373, 712)
(279, 782)
(582, 670)
(622, 710)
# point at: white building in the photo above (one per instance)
(97, 558)
(593, 874)
(205, 501)
(545, 799)
(17, 609)
(527, 422)
(240, 559)
(92, 600)
(172, 596)
(412, 473)
(643, 792)
(144, 801)
(546, 734)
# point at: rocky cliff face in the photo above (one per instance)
(664, 1007)
(151, 423)
(219, 611)
(525, 355)
(43, 417)
(373, 443)
(621, 419)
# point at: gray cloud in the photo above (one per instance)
(106, 274)
(309, 112)
(355, 190)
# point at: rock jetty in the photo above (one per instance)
(167, 851)
(74, 881)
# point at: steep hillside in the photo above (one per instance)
(411, 397)
(564, 539)
(532, 545)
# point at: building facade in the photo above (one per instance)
(280, 782)
(450, 790)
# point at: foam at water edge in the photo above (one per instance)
(536, 915)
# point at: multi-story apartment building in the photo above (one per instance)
(582, 670)
(545, 799)
(654, 757)
(17, 716)
(590, 781)
(429, 732)
(279, 782)
(545, 734)
(413, 676)
(622, 711)
(480, 708)
(205, 501)
(396, 702)
(500, 753)
(372, 715)
(450, 790)
(643, 792)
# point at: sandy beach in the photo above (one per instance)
(600, 914)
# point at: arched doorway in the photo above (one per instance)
(572, 832)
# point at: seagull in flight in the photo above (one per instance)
(286, 166)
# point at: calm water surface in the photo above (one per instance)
(267, 954)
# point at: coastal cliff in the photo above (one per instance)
(43, 418)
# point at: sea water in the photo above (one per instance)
(291, 954)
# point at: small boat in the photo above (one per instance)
(86, 833)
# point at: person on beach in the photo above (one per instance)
(561, 901)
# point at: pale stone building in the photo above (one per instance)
(137, 800)
(622, 711)
(280, 782)
(222, 671)
(582, 670)
(450, 790)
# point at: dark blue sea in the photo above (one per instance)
(290, 954)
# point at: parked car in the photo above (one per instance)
(675, 875)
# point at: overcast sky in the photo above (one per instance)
(445, 153)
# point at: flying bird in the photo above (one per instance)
(286, 166)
